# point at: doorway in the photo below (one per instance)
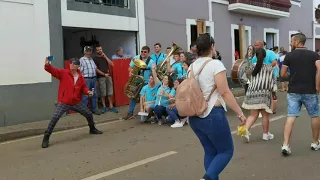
(237, 41)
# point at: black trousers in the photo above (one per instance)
(62, 108)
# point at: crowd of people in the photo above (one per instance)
(157, 97)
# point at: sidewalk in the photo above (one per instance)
(68, 122)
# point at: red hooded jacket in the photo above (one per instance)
(69, 93)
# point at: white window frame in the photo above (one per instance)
(296, 2)
(290, 33)
(234, 27)
(274, 31)
(190, 22)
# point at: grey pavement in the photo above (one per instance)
(135, 151)
(67, 122)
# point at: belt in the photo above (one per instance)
(90, 77)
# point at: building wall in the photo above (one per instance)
(223, 19)
(27, 92)
(166, 20)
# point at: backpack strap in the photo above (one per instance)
(203, 65)
(212, 91)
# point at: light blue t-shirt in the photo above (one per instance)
(270, 56)
(150, 93)
(164, 100)
(158, 59)
(179, 70)
(147, 72)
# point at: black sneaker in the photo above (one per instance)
(129, 116)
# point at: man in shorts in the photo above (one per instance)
(304, 84)
(104, 79)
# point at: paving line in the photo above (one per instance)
(59, 132)
(130, 166)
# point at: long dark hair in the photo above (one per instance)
(253, 51)
(261, 54)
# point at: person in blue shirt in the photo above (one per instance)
(176, 69)
(165, 92)
(158, 57)
(148, 95)
(271, 57)
(144, 56)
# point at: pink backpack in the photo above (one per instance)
(189, 97)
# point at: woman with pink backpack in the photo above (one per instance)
(203, 97)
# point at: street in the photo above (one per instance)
(135, 151)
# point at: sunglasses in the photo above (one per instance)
(144, 51)
(75, 63)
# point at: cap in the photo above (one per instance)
(87, 48)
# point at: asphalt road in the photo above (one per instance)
(135, 151)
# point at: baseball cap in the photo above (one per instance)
(87, 48)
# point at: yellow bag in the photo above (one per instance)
(242, 130)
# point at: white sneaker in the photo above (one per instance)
(246, 138)
(315, 147)
(177, 124)
(184, 120)
(268, 136)
(286, 150)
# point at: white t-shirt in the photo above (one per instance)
(75, 79)
(206, 81)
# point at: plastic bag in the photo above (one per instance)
(242, 130)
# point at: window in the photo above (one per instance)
(118, 3)
(271, 37)
(192, 30)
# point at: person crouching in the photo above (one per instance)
(72, 87)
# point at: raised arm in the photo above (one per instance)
(55, 72)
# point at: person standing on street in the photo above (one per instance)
(144, 56)
(88, 69)
(72, 87)
(212, 128)
(304, 85)
(158, 57)
(104, 79)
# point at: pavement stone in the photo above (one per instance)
(71, 121)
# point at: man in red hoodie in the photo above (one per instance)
(72, 87)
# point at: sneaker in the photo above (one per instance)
(246, 138)
(184, 120)
(129, 116)
(113, 109)
(286, 150)
(268, 136)
(104, 110)
(315, 147)
(159, 122)
(177, 124)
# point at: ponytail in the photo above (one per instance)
(260, 54)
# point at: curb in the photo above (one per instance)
(35, 132)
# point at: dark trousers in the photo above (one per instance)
(215, 136)
(62, 108)
(160, 111)
(173, 114)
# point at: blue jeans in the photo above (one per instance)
(173, 114)
(310, 101)
(91, 83)
(215, 136)
(159, 111)
(133, 103)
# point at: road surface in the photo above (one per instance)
(134, 151)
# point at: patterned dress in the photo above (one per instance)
(259, 94)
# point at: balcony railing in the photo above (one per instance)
(279, 5)
(267, 8)
(117, 3)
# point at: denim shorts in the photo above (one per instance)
(310, 101)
